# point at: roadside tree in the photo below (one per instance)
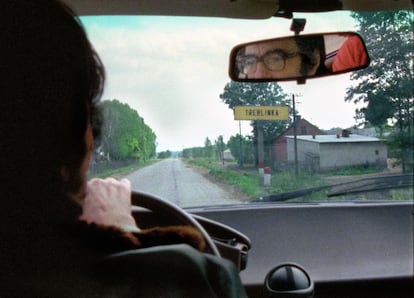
(124, 133)
(258, 94)
(386, 88)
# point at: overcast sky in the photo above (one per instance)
(173, 71)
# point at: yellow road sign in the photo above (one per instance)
(261, 113)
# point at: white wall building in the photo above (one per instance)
(328, 152)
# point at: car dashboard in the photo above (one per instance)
(348, 249)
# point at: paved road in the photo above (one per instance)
(172, 179)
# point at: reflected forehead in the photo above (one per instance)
(287, 44)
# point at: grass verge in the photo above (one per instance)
(117, 170)
(247, 180)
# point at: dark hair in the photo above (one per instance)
(51, 80)
(307, 45)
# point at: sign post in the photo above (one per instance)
(259, 114)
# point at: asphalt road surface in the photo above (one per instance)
(173, 180)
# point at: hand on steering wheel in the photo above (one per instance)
(108, 203)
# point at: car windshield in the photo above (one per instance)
(170, 124)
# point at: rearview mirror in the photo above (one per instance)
(298, 57)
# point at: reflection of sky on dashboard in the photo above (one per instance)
(172, 71)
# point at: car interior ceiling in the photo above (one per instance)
(249, 9)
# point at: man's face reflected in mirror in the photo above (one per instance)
(277, 59)
(298, 57)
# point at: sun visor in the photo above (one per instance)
(248, 9)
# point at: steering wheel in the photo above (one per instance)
(164, 207)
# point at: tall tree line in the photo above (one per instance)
(124, 133)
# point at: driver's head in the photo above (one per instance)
(50, 82)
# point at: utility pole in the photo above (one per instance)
(295, 140)
(260, 149)
(241, 147)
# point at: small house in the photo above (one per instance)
(329, 152)
(279, 145)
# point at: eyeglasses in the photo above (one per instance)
(274, 60)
